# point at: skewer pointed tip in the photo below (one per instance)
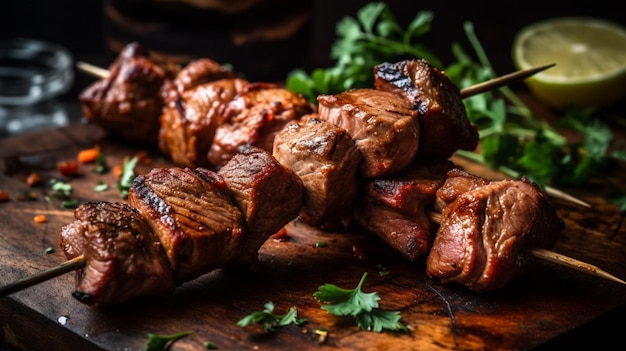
(575, 264)
(502, 81)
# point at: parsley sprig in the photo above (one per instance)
(360, 305)
(363, 42)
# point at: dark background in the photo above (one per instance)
(82, 26)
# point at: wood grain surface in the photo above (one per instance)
(533, 310)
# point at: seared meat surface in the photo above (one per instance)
(127, 103)
(383, 125)
(190, 118)
(326, 160)
(444, 126)
(192, 213)
(268, 194)
(201, 71)
(253, 118)
(485, 233)
(123, 257)
(394, 208)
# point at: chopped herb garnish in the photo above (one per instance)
(48, 250)
(320, 244)
(101, 165)
(127, 176)
(161, 342)
(269, 320)
(70, 203)
(61, 190)
(100, 187)
(360, 305)
(210, 346)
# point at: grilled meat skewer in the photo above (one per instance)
(180, 223)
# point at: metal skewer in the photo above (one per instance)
(557, 258)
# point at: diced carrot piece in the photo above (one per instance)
(88, 155)
(68, 168)
(40, 219)
(33, 179)
(117, 171)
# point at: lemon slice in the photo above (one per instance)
(590, 58)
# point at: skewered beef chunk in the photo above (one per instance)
(253, 118)
(192, 213)
(325, 158)
(268, 194)
(444, 125)
(394, 208)
(124, 258)
(190, 118)
(485, 234)
(201, 71)
(127, 103)
(383, 125)
(458, 182)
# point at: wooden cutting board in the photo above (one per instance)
(539, 307)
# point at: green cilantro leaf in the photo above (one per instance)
(161, 342)
(345, 302)
(101, 164)
(362, 306)
(128, 174)
(269, 320)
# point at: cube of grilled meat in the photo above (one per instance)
(444, 125)
(458, 182)
(192, 213)
(127, 103)
(383, 125)
(268, 194)
(190, 118)
(200, 71)
(124, 258)
(325, 158)
(253, 118)
(394, 208)
(486, 233)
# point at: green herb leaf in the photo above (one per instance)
(210, 345)
(100, 187)
(61, 190)
(161, 342)
(346, 302)
(101, 164)
(362, 306)
(371, 38)
(128, 174)
(269, 320)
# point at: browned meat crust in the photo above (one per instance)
(383, 125)
(192, 213)
(325, 158)
(123, 256)
(444, 125)
(485, 233)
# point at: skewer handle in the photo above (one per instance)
(65, 267)
(93, 70)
